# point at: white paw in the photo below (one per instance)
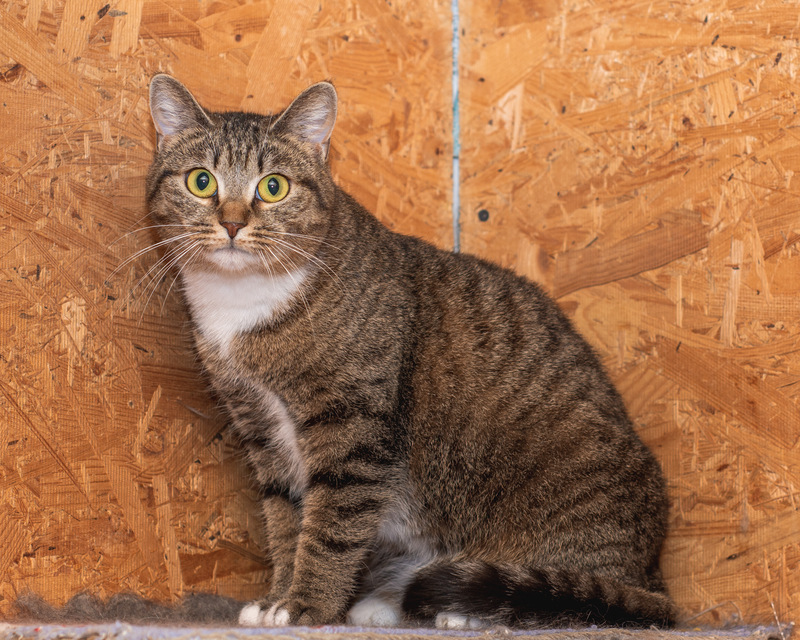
(459, 621)
(374, 612)
(276, 617)
(250, 616)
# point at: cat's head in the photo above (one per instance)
(240, 192)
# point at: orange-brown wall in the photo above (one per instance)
(638, 160)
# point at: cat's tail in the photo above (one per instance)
(532, 597)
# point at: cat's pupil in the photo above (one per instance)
(202, 181)
(272, 186)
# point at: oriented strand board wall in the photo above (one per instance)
(637, 159)
(115, 471)
(641, 160)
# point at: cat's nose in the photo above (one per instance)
(232, 227)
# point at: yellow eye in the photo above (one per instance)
(201, 183)
(273, 188)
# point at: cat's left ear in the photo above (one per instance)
(311, 116)
(174, 108)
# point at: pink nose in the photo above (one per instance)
(232, 227)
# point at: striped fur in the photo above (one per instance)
(513, 595)
(431, 436)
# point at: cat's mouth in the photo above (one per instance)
(233, 258)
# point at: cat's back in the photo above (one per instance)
(487, 327)
(475, 328)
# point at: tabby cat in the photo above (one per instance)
(432, 439)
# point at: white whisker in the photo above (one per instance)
(265, 262)
(298, 286)
(302, 237)
(308, 256)
(152, 226)
(171, 263)
(149, 248)
(155, 266)
(167, 256)
(187, 262)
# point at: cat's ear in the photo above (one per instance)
(173, 108)
(311, 116)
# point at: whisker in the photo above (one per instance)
(302, 236)
(144, 217)
(149, 248)
(310, 257)
(191, 257)
(283, 256)
(265, 262)
(164, 270)
(174, 257)
(152, 226)
(167, 256)
(155, 266)
(298, 287)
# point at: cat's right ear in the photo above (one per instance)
(173, 108)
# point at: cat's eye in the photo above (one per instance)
(273, 188)
(201, 183)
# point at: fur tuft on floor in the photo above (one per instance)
(196, 609)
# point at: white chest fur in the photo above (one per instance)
(226, 304)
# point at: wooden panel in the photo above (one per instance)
(116, 472)
(640, 160)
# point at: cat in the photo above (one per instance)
(432, 439)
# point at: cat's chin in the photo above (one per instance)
(234, 260)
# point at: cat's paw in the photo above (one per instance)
(374, 612)
(293, 612)
(460, 621)
(261, 613)
(251, 615)
(276, 616)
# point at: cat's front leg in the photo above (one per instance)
(282, 528)
(337, 534)
(344, 503)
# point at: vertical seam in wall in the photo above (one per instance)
(456, 133)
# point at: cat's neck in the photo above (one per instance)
(225, 304)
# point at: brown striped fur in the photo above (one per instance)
(432, 437)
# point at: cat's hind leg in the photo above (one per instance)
(385, 583)
(375, 611)
(460, 621)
